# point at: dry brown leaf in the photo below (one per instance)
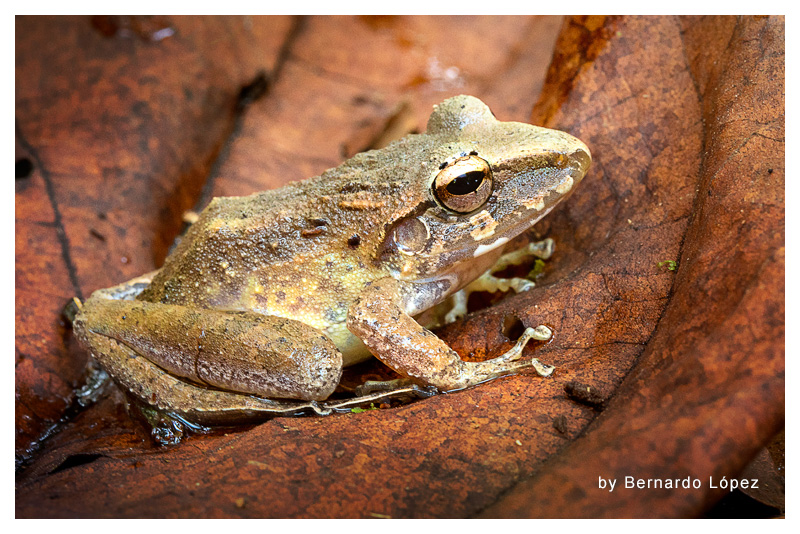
(685, 121)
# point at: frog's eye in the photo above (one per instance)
(464, 185)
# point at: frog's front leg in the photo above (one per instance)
(160, 351)
(489, 282)
(401, 343)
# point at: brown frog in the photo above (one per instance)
(268, 296)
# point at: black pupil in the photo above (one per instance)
(465, 183)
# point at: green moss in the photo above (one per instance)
(671, 265)
(537, 271)
(359, 410)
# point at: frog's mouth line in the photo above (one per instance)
(483, 249)
(511, 233)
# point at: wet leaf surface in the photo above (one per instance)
(685, 121)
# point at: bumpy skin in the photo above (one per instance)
(343, 260)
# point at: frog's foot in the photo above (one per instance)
(540, 333)
(490, 283)
(125, 291)
(95, 381)
(507, 362)
(385, 391)
(539, 249)
(372, 386)
(165, 428)
(408, 348)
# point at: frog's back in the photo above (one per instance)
(303, 251)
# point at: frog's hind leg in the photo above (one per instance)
(160, 351)
(173, 396)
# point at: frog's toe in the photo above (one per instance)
(516, 351)
(542, 368)
(521, 284)
(542, 249)
(454, 315)
(319, 409)
(541, 333)
(459, 301)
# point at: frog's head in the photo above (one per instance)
(487, 181)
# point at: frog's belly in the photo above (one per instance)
(352, 348)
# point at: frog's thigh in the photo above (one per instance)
(156, 387)
(243, 352)
(401, 343)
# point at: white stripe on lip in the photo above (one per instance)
(483, 249)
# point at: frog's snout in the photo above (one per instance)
(579, 162)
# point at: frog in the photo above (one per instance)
(267, 297)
